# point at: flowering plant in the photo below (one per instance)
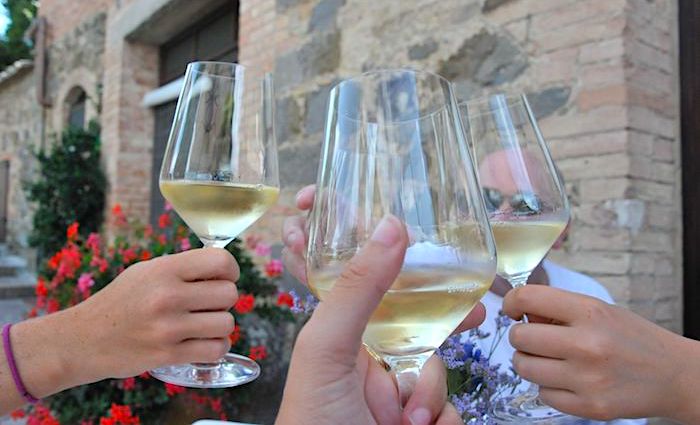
(474, 383)
(83, 266)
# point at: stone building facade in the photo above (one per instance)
(602, 75)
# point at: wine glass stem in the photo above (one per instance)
(406, 369)
(520, 279)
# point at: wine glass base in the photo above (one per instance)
(232, 370)
(527, 408)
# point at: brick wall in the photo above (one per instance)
(601, 75)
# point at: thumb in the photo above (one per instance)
(341, 318)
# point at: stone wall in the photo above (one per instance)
(600, 74)
(19, 136)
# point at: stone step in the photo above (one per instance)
(15, 310)
(11, 265)
(19, 286)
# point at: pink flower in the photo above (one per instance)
(252, 241)
(168, 206)
(263, 249)
(274, 268)
(85, 282)
(93, 242)
(185, 244)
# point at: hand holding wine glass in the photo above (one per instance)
(332, 378)
(220, 174)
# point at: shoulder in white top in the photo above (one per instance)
(559, 277)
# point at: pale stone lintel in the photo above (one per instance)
(157, 21)
(15, 69)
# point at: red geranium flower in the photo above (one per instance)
(164, 221)
(129, 384)
(40, 289)
(244, 304)
(52, 306)
(72, 231)
(258, 352)
(274, 268)
(146, 255)
(18, 414)
(235, 335)
(285, 299)
(172, 390)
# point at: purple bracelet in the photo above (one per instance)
(13, 367)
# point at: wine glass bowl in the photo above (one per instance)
(220, 174)
(526, 205)
(394, 145)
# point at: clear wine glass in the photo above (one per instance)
(394, 144)
(220, 175)
(526, 204)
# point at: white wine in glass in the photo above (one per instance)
(526, 204)
(220, 174)
(217, 210)
(394, 145)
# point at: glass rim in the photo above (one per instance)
(192, 67)
(443, 81)
(512, 99)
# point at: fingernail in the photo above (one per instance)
(387, 232)
(420, 416)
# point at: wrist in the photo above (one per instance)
(39, 357)
(685, 383)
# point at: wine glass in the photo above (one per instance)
(526, 204)
(220, 174)
(394, 145)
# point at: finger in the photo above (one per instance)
(294, 264)
(209, 324)
(202, 264)
(305, 197)
(563, 400)
(449, 416)
(545, 301)
(380, 392)
(554, 341)
(340, 319)
(473, 319)
(210, 295)
(543, 371)
(429, 395)
(294, 234)
(201, 350)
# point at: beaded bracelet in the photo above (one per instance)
(13, 366)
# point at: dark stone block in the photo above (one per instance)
(299, 164)
(323, 17)
(282, 5)
(287, 119)
(485, 59)
(316, 108)
(318, 56)
(422, 50)
(548, 101)
(490, 5)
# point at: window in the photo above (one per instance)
(75, 101)
(214, 38)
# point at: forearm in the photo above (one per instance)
(44, 357)
(686, 409)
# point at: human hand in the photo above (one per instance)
(168, 310)
(599, 361)
(332, 379)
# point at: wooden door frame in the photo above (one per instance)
(689, 38)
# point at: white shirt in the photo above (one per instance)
(559, 277)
